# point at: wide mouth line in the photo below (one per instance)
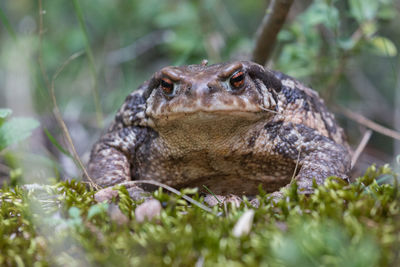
(209, 112)
(215, 111)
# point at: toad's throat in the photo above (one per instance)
(196, 132)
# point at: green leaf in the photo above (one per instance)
(7, 24)
(16, 130)
(363, 10)
(387, 12)
(369, 28)
(57, 144)
(321, 13)
(4, 113)
(74, 212)
(383, 46)
(97, 209)
(346, 44)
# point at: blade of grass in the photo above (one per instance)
(54, 141)
(7, 25)
(384, 178)
(212, 193)
(57, 144)
(61, 122)
(40, 50)
(50, 87)
(92, 65)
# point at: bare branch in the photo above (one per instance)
(268, 31)
(368, 123)
(361, 146)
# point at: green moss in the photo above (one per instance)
(339, 225)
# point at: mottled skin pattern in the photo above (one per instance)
(208, 132)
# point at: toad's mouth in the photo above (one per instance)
(213, 112)
(207, 113)
(203, 108)
(212, 118)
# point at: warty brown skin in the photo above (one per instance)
(209, 131)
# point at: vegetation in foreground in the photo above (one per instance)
(339, 225)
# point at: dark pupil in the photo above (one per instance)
(237, 79)
(166, 86)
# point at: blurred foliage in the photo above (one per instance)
(338, 225)
(322, 40)
(15, 129)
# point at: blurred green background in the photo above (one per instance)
(344, 49)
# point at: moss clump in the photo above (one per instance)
(339, 225)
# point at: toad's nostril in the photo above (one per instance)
(188, 91)
(212, 87)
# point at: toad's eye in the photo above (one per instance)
(167, 86)
(237, 80)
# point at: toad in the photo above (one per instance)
(231, 127)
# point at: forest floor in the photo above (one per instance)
(339, 225)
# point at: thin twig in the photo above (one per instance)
(297, 165)
(270, 110)
(360, 148)
(268, 30)
(368, 123)
(50, 87)
(173, 190)
(40, 54)
(61, 122)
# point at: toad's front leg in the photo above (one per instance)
(110, 160)
(322, 159)
(316, 155)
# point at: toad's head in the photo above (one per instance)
(222, 96)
